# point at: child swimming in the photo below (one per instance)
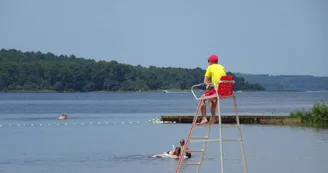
(174, 154)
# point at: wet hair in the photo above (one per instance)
(182, 141)
(178, 150)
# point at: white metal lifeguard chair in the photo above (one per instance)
(225, 90)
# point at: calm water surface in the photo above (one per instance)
(33, 140)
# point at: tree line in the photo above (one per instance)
(288, 82)
(36, 71)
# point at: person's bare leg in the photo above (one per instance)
(203, 112)
(213, 112)
(158, 155)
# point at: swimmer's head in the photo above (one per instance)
(182, 142)
(177, 150)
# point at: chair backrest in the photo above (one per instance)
(226, 86)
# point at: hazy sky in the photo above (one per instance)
(249, 36)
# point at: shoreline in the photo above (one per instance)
(149, 91)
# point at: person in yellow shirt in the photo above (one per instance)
(213, 74)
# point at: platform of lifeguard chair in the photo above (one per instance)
(231, 119)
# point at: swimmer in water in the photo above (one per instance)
(173, 153)
(63, 117)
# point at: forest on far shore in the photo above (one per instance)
(36, 71)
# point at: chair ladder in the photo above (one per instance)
(206, 139)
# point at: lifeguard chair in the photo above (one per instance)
(225, 90)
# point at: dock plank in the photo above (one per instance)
(231, 119)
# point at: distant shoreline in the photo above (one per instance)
(37, 71)
(148, 91)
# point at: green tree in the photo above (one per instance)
(46, 71)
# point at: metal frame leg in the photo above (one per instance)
(220, 133)
(240, 135)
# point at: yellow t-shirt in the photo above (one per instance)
(215, 72)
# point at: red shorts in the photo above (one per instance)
(210, 92)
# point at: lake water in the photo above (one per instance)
(113, 132)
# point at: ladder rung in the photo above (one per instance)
(191, 163)
(202, 150)
(198, 137)
(215, 140)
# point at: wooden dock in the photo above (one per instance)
(231, 119)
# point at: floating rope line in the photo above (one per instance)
(152, 121)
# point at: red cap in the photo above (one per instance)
(213, 58)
